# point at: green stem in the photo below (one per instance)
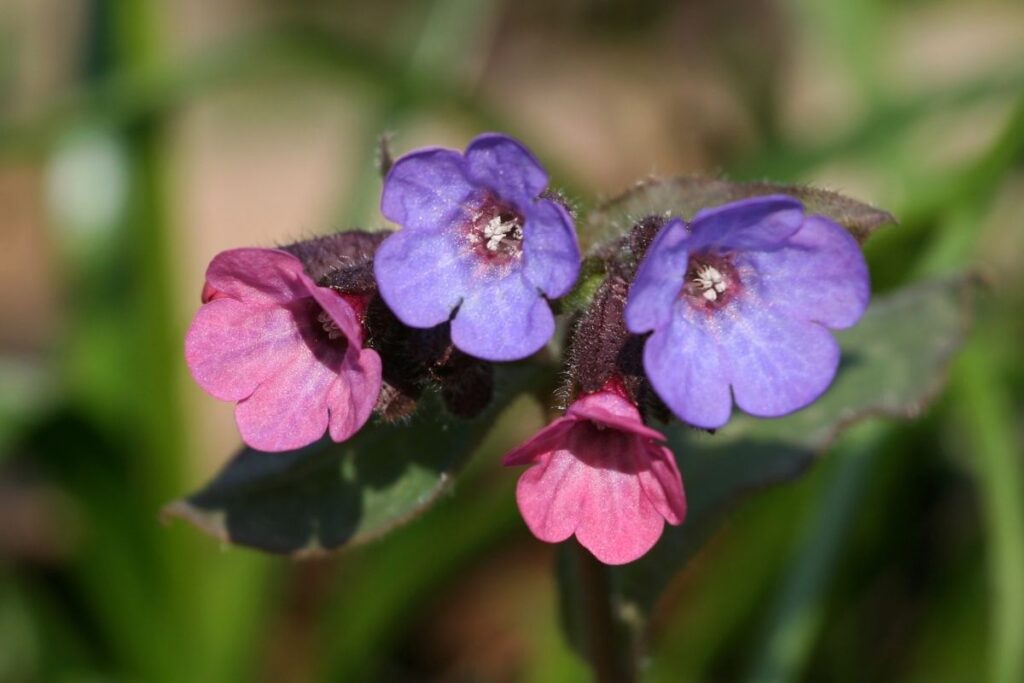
(605, 643)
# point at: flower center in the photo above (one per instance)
(710, 281)
(494, 232)
(500, 228)
(330, 327)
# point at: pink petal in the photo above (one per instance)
(354, 393)
(542, 443)
(549, 494)
(662, 483)
(590, 487)
(233, 346)
(341, 312)
(256, 275)
(613, 411)
(289, 410)
(618, 523)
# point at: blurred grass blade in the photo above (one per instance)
(799, 610)
(988, 417)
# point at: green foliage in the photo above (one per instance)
(893, 364)
(133, 600)
(686, 195)
(328, 495)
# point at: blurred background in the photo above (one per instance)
(140, 137)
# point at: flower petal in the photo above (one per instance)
(289, 410)
(502, 320)
(427, 190)
(340, 312)
(687, 369)
(352, 396)
(612, 410)
(659, 279)
(506, 166)
(777, 364)
(255, 275)
(232, 346)
(758, 223)
(551, 254)
(617, 521)
(662, 483)
(420, 276)
(820, 275)
(549, 495)
(540, 444)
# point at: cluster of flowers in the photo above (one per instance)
(735, 304)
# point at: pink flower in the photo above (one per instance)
(598, 472)
(288, 352)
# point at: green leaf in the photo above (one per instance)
(894, 362)
(319, 498)
(686, 195)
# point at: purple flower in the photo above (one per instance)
(476, 239)
(744, 297)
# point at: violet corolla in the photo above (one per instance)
(742, 302)
(478, 245)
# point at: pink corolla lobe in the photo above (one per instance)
(288, 352)
(598, 472)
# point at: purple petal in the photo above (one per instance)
(289, 410)
(506, 166)
(551, 253)
(232, 346)
(427, 190)
(420, 276)
(820, 275)
(256, 275)
(777, 364)
(502, 320)
(758, 223)
(659, 279)
(687, 369)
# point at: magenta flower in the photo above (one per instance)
(288, 352)
(599, 473)
(476, 240)
(744, 298)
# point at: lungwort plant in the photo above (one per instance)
(717, 337)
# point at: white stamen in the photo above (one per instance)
(496, 230)
(711, 281)
(330, 327)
